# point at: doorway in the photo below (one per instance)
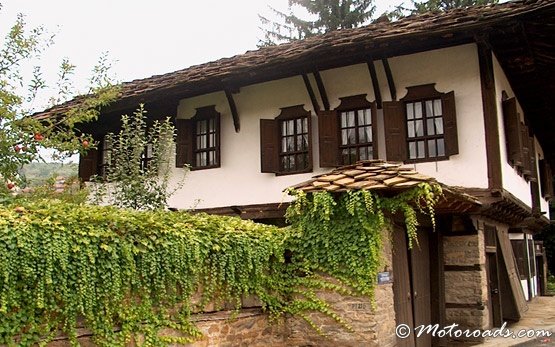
(411, 285)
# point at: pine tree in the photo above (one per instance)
(328, 15)
(401, 10)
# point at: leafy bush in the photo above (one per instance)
(129, 273)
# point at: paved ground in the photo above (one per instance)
(540, 315)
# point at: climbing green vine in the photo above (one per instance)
(129, 275)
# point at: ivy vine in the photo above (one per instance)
(128, 275)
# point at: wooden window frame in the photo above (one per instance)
(271, 141)
(356, 103)
(422, 94)
(294, 113)
(206, 114)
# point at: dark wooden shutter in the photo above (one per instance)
(395, 126)
(184, 142)
(450, 124)
(525, 141)
(88, 165)
(546, 180)
(513, 138)
(269, 145)
(328, 138)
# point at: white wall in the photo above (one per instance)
(239, 180)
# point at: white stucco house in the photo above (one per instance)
(462, 96)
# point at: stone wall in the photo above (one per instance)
(372, 324)
(466, 288)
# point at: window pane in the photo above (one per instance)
(344, 136)
(440, 147)
(283, 144)
(410, 127)
(343, 120)
(212, 140)
(203, 127)
(299, 125)
(211, 157)
(429, 108)
(361, 136)
(304, 145)
(421, 152)
(412, 150)
(370, 152)
(368, 131)
(351, 136)
(351, 119)
(305, 125)
(299, 142)
(431, 148)
(345, 155)
(410, 114)
(367, 117)
(290, 143)
(360, 116)
(437, 107)
(431, 130)
(290, 127)
(284, 163)
(417, 110)
(283, 128)
(363, 153)
(439, 125)
(212, 125)
(419, 125)
(300, 162)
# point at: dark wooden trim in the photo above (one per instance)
(311, 94)
(375, 82)
(390, 80)
(233, 108)
(255, 211)
(420, 92)
(475, 267)
(293, 112)
(477, 306)
(322, 90)
(354, 102)
(489, 106)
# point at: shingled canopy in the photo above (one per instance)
(520, 33)
(387, 178)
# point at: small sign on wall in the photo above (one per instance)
(385, 277)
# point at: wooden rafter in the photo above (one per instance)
(322, 90)
(233, 108)
(390, 80)
(311, 94)
(375, 82)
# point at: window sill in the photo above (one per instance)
(286, 173)
(425, 160)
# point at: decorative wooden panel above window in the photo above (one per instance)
(422, 126)
(346, 134)
(286, 142)
(198, 139)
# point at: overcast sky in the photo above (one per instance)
(144, 37)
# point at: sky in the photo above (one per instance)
(143, 38)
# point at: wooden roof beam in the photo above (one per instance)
(311, 94)
(233, 109)
(322, 90)
(375, 82)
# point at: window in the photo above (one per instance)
(425, 129)
(422, 126)
(293, 156)
(356, 135)
(346, 134)
(285, 142)
(198, 139)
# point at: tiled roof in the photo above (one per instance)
(275, 61)
(386, 177)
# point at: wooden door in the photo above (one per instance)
(420, 276)
(411, 285)
(496, 315)
(401, 286)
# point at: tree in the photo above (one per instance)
(21, 135)
(138, 165)
(417, 7)
(329, 15)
